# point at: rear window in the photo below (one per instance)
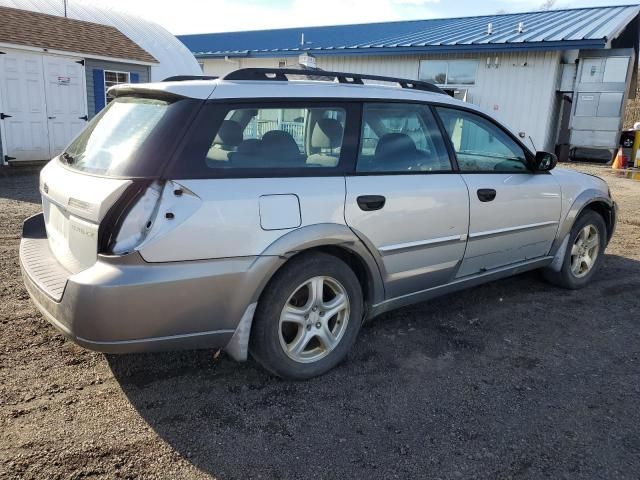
(278, 138)
(132, 136)
(268, 139)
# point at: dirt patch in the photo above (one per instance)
(514, 379)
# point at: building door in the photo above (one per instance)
(600, 93)
(22, 105)
(66, 100)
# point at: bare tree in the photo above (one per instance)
(548, 5)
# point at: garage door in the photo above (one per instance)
(43, 102)
(22, 104)
(66, 101)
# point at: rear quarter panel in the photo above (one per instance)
(240, 217)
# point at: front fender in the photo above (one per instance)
(583, 200)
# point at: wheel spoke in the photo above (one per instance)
(575, 250)
(326, 337)
(592, 241)
(291, 314)
(576, 265)
(584, 233)
(588, 261)
(316, 287)
(335, 306)
(297, 346)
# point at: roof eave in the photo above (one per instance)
(592, 44)
(68, 53)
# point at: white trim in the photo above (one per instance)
(104, 82)
(74, 54)
(3, 140)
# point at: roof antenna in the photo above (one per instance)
(65, 8)
(489, 28)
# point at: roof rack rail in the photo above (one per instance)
(280, 74)
(183, 78)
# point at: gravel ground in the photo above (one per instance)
(515, 379)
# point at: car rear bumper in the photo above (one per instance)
(123, 304)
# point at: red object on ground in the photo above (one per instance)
(620, 162)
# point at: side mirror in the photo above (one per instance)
(544, 162)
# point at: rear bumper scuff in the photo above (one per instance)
(123, 304)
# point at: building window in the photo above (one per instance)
(112, 78)
(449, 72)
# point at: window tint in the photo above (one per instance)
(401, 138)
(278, 138)
(128, 137)
(479, 144)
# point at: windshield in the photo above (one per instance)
(128, 138)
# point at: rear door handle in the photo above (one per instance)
(486, 194)
(368, 203)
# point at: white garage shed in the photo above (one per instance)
(55, 70)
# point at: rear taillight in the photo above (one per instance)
(129, 220)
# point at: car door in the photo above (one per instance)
(514, 212)
(404, 200)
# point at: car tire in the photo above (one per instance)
(291, 311)
(569, 275)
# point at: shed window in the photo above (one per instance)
(111, 78)
(449, 72)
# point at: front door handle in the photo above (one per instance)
(486, 194)
(368, 203)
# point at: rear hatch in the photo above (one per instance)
(123, 150)
(74, 205)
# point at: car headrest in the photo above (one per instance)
(229, 134)
(280, 145)
(249, 146)
(327, 133)
(393, 144)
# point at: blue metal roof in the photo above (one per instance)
(542, 30)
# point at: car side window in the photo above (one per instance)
(481, 145)
(401, 137)
(278, 138)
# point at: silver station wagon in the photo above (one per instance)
(271, 212)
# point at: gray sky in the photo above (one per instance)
(198, 16)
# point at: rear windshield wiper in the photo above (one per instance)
(68, 158)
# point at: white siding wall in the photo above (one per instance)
(520, 92)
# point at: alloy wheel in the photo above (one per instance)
(314, 319)
(585, 251)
